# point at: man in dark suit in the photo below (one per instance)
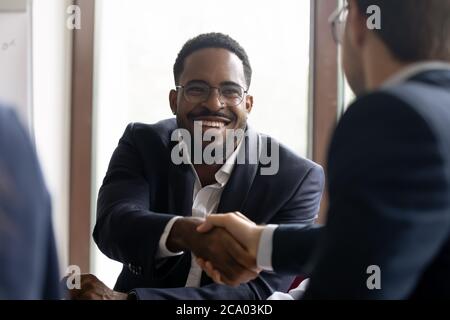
(28, 260)
(388, 229)
(150, 202)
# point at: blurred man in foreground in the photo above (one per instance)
(28, 260)
(388, 230)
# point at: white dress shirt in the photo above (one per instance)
(205, 201)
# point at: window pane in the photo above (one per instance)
(136, 45)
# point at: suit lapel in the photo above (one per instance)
(181, 188)
(237, 188)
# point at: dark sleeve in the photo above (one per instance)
(294, 247)
(28, 259)
(126, 230)
(304, 232)
(302, 208)
(388, 203)
(258, 289)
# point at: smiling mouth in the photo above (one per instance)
(212, 122)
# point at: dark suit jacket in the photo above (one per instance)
(28, 261)
(389, 183)
(143, 190)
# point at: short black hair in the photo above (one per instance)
(413, 30)
(212, 40)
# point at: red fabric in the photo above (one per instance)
(296, 282)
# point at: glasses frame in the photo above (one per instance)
(337, 22)
(209, 94)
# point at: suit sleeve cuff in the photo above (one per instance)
(162, 251)
(264, 256)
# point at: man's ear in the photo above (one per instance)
(173, 100)
(249, 103)
(356, 25)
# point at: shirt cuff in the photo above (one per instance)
(162, 251)
(264, 256)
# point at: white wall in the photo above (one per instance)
(15, 57)
(51, 90)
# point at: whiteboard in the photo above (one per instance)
(15, 58)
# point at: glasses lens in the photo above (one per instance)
(196, 92)
(334, 32)
(231, 94)
(338, 25)
(340, 29)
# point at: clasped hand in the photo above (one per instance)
(225, 246)
(240, 240)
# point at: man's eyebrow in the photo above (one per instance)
(230, 83)
(197, 81)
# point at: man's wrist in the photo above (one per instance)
(162, 251)
(183, 230)
(265, 247)
(256, 237)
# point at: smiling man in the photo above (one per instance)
(150, 203)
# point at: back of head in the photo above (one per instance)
(414, 30)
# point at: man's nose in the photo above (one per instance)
(214, 100)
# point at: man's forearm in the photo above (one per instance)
(180, 236)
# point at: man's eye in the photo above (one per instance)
(232, 92)
(195, 90)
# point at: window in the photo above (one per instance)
(136, 45)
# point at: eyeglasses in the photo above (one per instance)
(337, 20)
(230, 94)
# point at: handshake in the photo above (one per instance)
(225, 245)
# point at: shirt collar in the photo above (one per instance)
(413, 70)
(223, 175)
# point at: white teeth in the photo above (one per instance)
(214, 124)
